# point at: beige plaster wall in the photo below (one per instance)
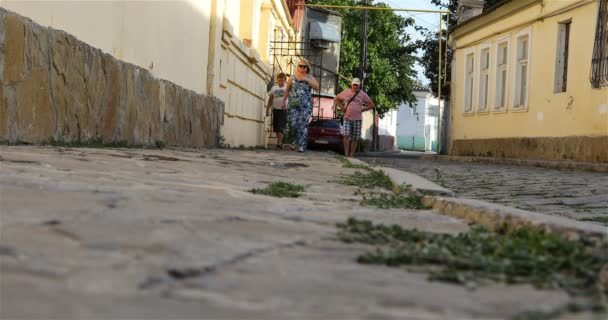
(169, 38)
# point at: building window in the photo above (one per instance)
(484, 79)
(502, 68)
(469, 81)
(599, 63)
(561, 62)
(522, 72)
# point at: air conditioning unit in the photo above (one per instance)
(321, 34)
(319, 43)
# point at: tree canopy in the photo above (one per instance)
(389, 73)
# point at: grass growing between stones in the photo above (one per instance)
(98, 143)
(221, 144)
(401, 197)
(479, 256)
(396, 200)
(348, 164)
(281, 190)
(369, 180)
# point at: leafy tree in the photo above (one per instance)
(389, 73)
(430, 45)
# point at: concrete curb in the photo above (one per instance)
(415, 182)
(482, 212)
(492, 215)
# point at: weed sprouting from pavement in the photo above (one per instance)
(370, 180)
(347, 164)
(356, 166)
(342, 159)
(522, 255)
(281, 189)
(401, 197)
(95, 143)
(221, 144)
(395, 200)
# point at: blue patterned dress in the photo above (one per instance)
(300, 109)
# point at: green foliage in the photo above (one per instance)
(223, 145)
(371, 179)
(389, 62)
(364, 145)
(396, 200)
(356, 166)
(280, 190)
(160, 144)
(523, 255)
(93, 143)
(348, 164)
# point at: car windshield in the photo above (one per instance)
(325, 124)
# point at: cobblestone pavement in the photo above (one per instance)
(573, 194)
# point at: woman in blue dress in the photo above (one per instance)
(298, 92)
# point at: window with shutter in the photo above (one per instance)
(599, 62)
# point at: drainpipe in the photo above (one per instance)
(216, 22)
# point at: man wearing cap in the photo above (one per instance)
(353, 102)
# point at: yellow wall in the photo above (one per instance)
(581, 111)
(197, 44)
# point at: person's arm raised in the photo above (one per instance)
(312, 82)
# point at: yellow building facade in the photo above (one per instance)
(521, 82)
(212, 47)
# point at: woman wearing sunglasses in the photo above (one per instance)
(299, 92)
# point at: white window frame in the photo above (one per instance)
(469, 79)
(481, 108)
(517, 62)
(499, 67)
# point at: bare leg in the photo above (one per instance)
(353, 147)
(279, 138)
(346, 144)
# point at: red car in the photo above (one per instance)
(325, 133)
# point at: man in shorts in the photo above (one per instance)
(353, 102)
(279, 114)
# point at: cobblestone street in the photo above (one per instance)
(573, 194)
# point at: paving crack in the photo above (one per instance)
(197, 272)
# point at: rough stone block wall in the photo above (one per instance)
(55, 87)
(575, 148)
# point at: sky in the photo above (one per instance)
(427, 20)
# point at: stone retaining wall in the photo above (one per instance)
(576, 148)
(55, 87)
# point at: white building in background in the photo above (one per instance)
(413, 128)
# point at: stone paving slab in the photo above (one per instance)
(175, 234)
